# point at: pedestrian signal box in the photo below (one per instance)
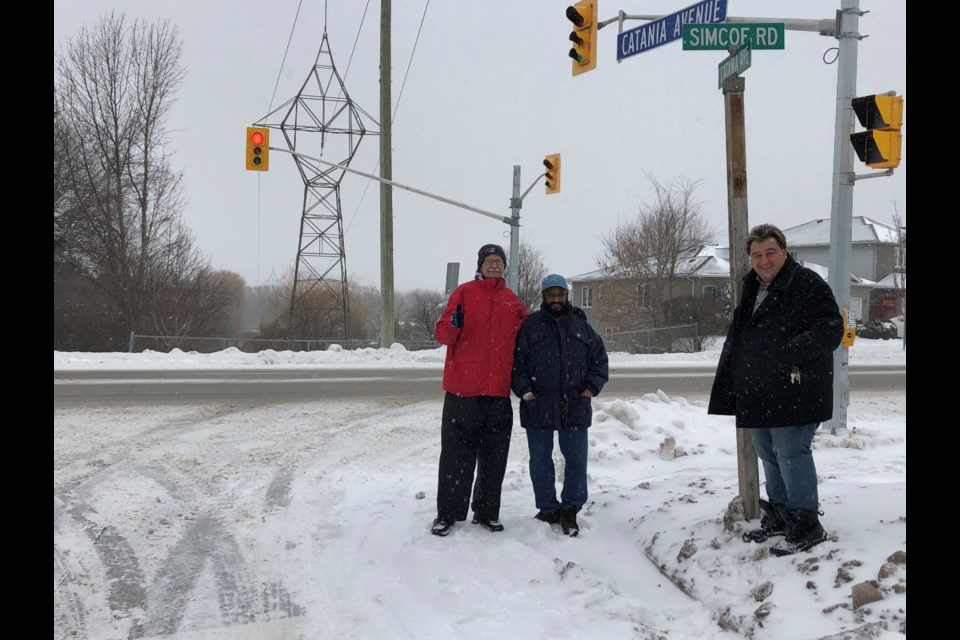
(849, 329)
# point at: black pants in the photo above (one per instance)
(474, 432)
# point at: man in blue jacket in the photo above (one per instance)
(559, 365)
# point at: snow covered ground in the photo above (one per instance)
(311, 520)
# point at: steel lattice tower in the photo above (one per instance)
(319, 301)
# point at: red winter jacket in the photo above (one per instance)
(480, 355)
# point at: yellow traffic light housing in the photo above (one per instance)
(258, 149)
(552, 181)
(583, 15)
(880, 145)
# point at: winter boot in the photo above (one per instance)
(441, 526)
(803, 532)
(771, 523)
(568, 520)
(489, 525)
(549, 518)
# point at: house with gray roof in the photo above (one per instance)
(877, 278)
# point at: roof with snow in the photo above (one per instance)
(714, 260)
(894, 281)
(705, 264)
(863, 229)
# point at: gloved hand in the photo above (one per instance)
(456, 318)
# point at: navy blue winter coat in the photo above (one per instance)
(557, 363)
(796, 329)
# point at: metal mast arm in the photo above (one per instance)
(421, 192)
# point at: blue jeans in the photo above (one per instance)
(788, 465)
(573, 446)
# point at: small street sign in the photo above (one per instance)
(735, 64)
(668, 28)
(707, 37)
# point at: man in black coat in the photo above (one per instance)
(775, 375)
(559, 365)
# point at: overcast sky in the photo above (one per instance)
(489, 87)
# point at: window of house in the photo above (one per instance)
(600, 292)
(899, 257)
(795, 254)
(641, 295)
(586, 297)
(710, 292)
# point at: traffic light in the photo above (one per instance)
(882, 116)
(552, 163)
(583, 15)
(258, 149)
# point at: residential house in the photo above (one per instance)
(617, 304)
(878, 278)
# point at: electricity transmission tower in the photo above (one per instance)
(323, 114)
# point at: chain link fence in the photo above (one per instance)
(165, 344)
(683, 338)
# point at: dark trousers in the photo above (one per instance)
(474, 433)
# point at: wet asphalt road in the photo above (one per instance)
(264, 386)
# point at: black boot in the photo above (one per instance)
(568, 520)
(548, 517)
(771, 524)
(803, 532)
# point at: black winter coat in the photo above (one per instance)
(557, 363)
(796, 330)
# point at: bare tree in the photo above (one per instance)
(643, 255)
(531, 271)
(423, 308)
(365, 310)
(310, 318)
(900, 268)
(117, 199)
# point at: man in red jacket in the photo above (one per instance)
(479, 327)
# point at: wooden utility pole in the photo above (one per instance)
(747, 467)
(386, 190)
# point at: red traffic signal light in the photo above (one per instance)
(258, 149)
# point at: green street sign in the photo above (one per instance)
(737, 63)
(711, 37)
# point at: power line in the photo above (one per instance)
(395, 108)
(285, 52)
(410, 62)
(355, 40)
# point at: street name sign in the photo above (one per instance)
(738, 62)
(668, 28)
(706, 37)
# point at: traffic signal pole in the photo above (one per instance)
(513, 275)
(841, 207)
